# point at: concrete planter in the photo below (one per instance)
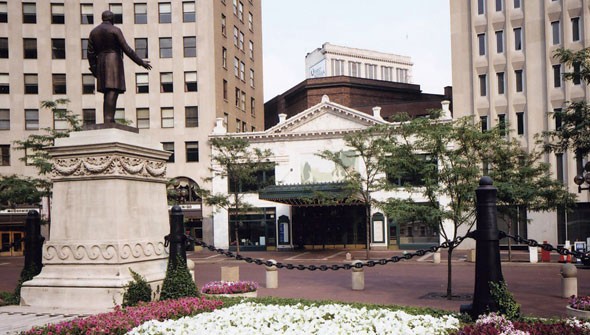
(578, 313)
(252, 294)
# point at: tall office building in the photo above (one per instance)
(504, 71)
(207, 64)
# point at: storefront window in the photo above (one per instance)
(256, 229)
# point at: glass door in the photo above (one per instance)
(12, 243)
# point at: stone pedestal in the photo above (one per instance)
(109, 215)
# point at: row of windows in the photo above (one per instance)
(238, 9)
(58, 47)
(499, 5)
(240, 99)
(191, 118)
(500, 78)
(576, 30)
(387, 73)
(481, 41)
(31, 83)
(140, 15)
(484, 121)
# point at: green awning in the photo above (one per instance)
(319, 194)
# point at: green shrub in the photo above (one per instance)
(178, 282)
(507, 306)
(25, 275)
(7, 298)
(137, 290)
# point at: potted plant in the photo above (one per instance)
(579, 307)
(231, 289)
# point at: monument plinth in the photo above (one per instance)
(109, 215)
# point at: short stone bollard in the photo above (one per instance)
(569, 280)
(272, 275)
(533, 255)
(358, 277)
(436, 257)
(230, 273)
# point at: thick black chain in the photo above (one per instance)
(545, 246)
(346, 266)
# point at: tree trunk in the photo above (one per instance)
(368, 222)
(449, 274)
(509, 226)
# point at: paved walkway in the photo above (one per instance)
(417, 282)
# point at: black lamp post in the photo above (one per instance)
(583, 175)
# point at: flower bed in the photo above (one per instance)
(121, 320)
(496, 324)
(228, 287)
(255, 318)
(581, 303)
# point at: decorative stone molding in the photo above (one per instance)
(103, 253)
(108, 166)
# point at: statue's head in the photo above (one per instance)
(107, 15)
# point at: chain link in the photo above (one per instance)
(545, 246)
(334, 267)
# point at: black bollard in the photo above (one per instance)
(177, 238)
(33, 243)
(488, 267)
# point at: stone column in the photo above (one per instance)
(109, 215)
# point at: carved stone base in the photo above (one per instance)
(109, 214)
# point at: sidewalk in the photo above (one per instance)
(416, 282)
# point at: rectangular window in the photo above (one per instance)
(167, 117)
(59, 83)
(481, 42)
(4, 119)
(337, 67)
(84, 45)
(88, 86)
(169, 146)
(31, 83)
(519, 80)
(387, 73)
(484, 123)
(560, 175)
(483, 85)
(238, 125)
(224, 89)
(31, 119)
(57, 13)
(143, 118)
(140, 13)
(4, 84)
(251, 49)
(501, 83)
(3, 11)
(29, 12)
(354, 69)
(557, 75)
(577, 78)
(555, 32)
(5, 154)
(141, 47)
(520, 123)
(499, 5)
(517, 38)
(250, 21)
(251, 78)
(30, 48)
(241, 11)
(190, 46)
(238, 95)
(243, 101)
(117, 10)
(191, 116)
(236, 67)
(58, 48)
(89, 116)
(224, 57)
(557, 117)
(166, 84)
(86, 14)
(190, 82)
(500, 41)
(59, 121)
(575, 29)
(188, 11)
(223, 25)
(235, 3)
(516, 4)
(4, 47)
(192, 151)
(165, 12)
(236, 34)
(166, 47)
(253, 107)
(142, 83)
(242, 71)
(370, 71)
(481, 7)
(502, 124)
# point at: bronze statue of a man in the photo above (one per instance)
(106, 46)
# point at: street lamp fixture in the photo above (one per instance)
(583, 177)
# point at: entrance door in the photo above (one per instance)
(13, 243)
(393, 242)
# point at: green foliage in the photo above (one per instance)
(178, 282)
(8, 298)
(137, 290)
(26, 274)
(15, 190)
(507, 306)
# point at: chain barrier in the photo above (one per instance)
(545, 246)
(334, 267)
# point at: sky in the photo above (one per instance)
(419, 29)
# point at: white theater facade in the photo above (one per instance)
(284, 218)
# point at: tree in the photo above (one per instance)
(233, 159)
(367, 146)
(18, 191)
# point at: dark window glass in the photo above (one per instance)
(575, 28)
(57, 13)
(117, 10)
(190, 46)
(481, 39)
(140, 13)
(141, 47)
(59, 84)
(4, 83)
(29, 12)
(501, 85)
(555, 32)
(500, 41)
(188, 11)
(520, 123)
(4, 119)
(169, 146)
(191, 116)
(142, 83)
(577, 78)
(499, 5)
(481, 5)
(166, 47)
(84, 43)
(519, 80)
(557, 75)
(88, 85)
(86, 14)
(192, 151)
(190, 82)
(89, 116)
(3, 11)
(58, 48)
(3, 47)
(517, 38)
(502, 124)
(30, 48)
(483, 85)
(31, 83)
(557, 116)
(516, 3)
(5, 154)
(166, 83)
(484, 123)
(31, 119)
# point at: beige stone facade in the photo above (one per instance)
(206, 58)
(504, 71)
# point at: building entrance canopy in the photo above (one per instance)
(310, 195)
